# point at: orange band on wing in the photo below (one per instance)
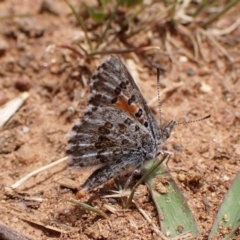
(123, 105)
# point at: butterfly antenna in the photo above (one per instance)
(197, 120)
(159, 99)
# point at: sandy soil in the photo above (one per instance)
(57, 80)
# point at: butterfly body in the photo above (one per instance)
(118, 129)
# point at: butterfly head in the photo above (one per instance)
(167, 130)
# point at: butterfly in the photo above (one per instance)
(118, 130)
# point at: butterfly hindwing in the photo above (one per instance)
(117, 130)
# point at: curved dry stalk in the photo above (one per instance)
(217, 45)
(154, 227)
(190, 35)
(226, 30)
(215, 17)
(89, 208)
(200, 47)
(167, 46)
(143, 178)
(9, 108)
(184, 52)
(24, 179)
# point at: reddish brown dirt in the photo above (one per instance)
(58, 79)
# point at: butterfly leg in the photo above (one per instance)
(163, 153)
(137, 171)
(111, 170)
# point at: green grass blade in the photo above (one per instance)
(218, 15)
(228, 217)
(113, 14)
(80, 22)
(175, 216)
(88, 208)
(148, 172)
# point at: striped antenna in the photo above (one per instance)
(191, 121)
(160, 106)
(159, 99)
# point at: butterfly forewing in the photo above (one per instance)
(117, 129)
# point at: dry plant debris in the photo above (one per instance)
(44, 52)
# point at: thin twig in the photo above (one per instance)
(167, 46)
(200, 8)
(188, 33)
(215, 17)
(218, 45)
(164, 92)
(155, 228)
(173, 42)
(24, 179)
(10, 108)
(89, 208)
(225, 31)
(72, 49)
(15, 16)
(147, 25)
(200, 47)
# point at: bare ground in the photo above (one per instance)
(58, 79)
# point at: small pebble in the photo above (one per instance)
(25, 129)
(190, 72)
(22, 84)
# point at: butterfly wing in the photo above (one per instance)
(114, 85)
(117, 119)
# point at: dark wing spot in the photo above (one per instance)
(88, 113)
(146, 124)
(94, 108)
(75, 128)
(114, 100)
(103, 130)
(131, 99)
(125, 142)
(108, 125)
(103, 142)
(101, 157)
(103, 139)
(122, 128)
(137, 128)
(123, 85)
(96, 99)
(128, 121)
(95, 76)
(139, 113)
(103, 66)
(117, 90)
